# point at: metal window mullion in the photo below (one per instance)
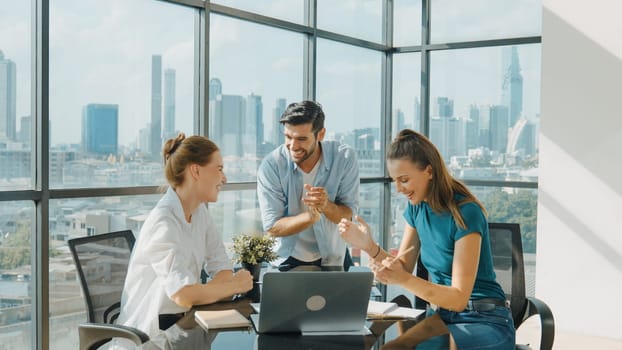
(309, 65)
(386, 102)
(201, 70)
(40, 231)
(424, 106)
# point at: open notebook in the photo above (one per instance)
(219, 319)
(384, 310)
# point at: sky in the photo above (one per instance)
(100, 52)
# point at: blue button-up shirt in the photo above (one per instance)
(280, 189)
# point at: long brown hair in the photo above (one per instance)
(418, 149)
(183, 151)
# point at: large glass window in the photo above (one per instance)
(255, 72)
(16, 290)
(485, 111)
(121, 82)
(360, 19)
(15, 96)
(289, 10)
(406, 22)
(79, 217)
(348, 87)
(406, 92)
(455, 20)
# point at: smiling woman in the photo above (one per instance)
(178, 240)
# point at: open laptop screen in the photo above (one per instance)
(313, 301)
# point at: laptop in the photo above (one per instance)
(313, 302)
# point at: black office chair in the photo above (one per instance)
(507, 255)
(102, 262)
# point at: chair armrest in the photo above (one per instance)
(536, 306)
(93, 335)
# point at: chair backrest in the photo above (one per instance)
(507, 258)
(101, 262)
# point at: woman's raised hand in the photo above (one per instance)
(357, 234)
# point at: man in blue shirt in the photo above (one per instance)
(305, 187)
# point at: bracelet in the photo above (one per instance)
(378, 252)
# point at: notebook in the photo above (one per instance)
(389, 310)
(218, 319)
(313, 302)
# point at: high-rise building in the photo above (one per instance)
(227, 115)
(443, 107)
(215, 88)
(499, 127)
(512, 88)
(279, 108)
(398, 122)
(253, 125)
(168, 130)
(25, 129)
(8, 100)
(100, 132)
(416, 122)
(448, 134)
(156, 107)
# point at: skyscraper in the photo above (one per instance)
(226, 119)
(498, 128)
(7, 98)
(169, 104)
(398, 122)
(444, 107)
(100, 131)
(25, 128)
(215, 88)
(512, 89)
(279, 108)
(156, 106)
(253, 125)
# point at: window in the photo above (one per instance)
(255, 72)
(454, 20)
(136, 89)
(289, 10)
(359, 19)
(15, 96)
(16, 218)
(485, 111)
(348, 87)
(406, 92)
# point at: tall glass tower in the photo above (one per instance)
(100, 128)
(156, 107)
(7, 98)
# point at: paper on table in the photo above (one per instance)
(382, 310)
(217, 319)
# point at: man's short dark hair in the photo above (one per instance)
(304, 112)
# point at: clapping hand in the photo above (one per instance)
(315, 197)
(357, 234)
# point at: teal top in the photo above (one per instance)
(438, 233)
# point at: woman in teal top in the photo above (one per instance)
(447, 226)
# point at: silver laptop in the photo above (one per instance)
(307, 302)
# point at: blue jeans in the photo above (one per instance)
(492, 329)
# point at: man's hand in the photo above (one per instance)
(315, 197)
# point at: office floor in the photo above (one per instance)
(529, 333)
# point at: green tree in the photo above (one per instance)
(519, 207)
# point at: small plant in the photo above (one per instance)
(253, 249)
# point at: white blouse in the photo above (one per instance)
(168, 255)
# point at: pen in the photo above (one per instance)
(398, 256)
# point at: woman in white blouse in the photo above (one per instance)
(177, 240)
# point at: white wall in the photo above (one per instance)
(579, 261)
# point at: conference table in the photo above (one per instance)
(187, 334)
